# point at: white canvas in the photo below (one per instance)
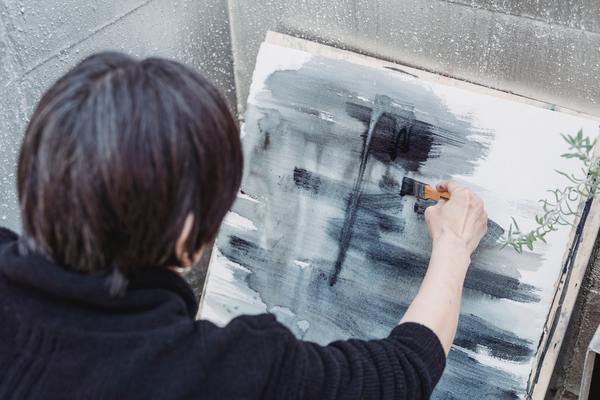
(308, 164)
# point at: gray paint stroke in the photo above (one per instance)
(318, 143)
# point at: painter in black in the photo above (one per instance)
(63, 336)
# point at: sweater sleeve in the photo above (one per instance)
(6, 235)
(405, 365)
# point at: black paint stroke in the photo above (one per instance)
(306, 180)
(467, 378)
(370, 222)
(473, 331)
(381, 106)
(394, 135)
(398, 137)
(399, 70)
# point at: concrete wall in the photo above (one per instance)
(41, 39)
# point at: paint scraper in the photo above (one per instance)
(421, 190)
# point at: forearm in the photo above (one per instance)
(437, 304)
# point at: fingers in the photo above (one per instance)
(442, 186)
(429, 211)
(464, 195)
(447, 186)
(475, 202)
(476, 223)
(428, 219)
(463, 215)
(475, 208)
(484, 219)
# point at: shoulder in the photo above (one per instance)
(247, 325)
(252, 347)
(261, 333)
(6, 235)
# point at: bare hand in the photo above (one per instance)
(462, 219)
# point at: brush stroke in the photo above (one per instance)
(382, 106)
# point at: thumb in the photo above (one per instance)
(432, 209)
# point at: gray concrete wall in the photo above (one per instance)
(41, 39)
(545, 49)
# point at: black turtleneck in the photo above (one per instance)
(63, 336)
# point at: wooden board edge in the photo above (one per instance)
(566, 295)
(203, 294)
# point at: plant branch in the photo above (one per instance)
(563, 206)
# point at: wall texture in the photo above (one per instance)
(41, 39)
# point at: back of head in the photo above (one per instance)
(117, 154)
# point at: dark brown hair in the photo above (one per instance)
(117, 153)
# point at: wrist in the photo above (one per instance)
(451, 246)
(453, 254)
(448, 266)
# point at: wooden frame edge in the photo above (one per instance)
(566, 294)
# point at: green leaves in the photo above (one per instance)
(581, 146)
(517, 229)
(563, 207)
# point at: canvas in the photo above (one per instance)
(320, 236)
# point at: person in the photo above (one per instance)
(126, 170)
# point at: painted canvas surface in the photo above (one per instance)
(320, 236)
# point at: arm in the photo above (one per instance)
(456, 227)
(404, 366)
(260, 357)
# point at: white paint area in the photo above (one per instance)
(244, 196)
(282, 312)
(235, 220)
(225, 298)
(301, 264)
(272, 59)
(324, 115)
(522, 320)
(304, 325)
(288, 318)
(483, 356)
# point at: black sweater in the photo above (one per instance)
(63, 336)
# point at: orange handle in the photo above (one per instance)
(432, 194)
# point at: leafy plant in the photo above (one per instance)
(562, 206)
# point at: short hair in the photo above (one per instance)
(117, 154)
